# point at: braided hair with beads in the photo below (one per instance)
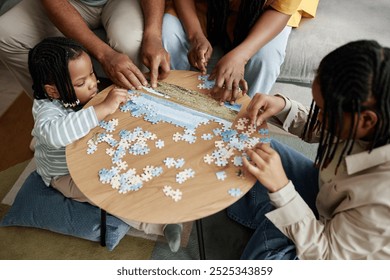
(353, 78)
(48, 65)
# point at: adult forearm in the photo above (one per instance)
(186, 11)
(69, 21)
(267, 27)
(153, 12)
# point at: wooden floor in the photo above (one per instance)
(15, 133)
(16, 120)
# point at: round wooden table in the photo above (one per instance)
(202, 195)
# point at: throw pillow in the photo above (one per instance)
(39, 206)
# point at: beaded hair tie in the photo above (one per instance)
(71, 105)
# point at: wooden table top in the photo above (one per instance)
(202, 195)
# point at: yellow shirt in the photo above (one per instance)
(307, 9)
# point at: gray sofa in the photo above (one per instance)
(336, 23)
(5, 5)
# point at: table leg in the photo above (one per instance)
(103, 227)
(199, 232)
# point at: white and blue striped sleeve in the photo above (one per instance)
(58, 128)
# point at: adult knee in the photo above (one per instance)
(267, 60)
(172, 33)
(129, 45)
(262, 70)
(7, 40)
(175, 42)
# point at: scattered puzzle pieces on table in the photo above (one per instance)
(229, 145)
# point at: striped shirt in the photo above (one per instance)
(56, 127)
(94, 3)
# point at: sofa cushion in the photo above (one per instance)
(5, 5)
(336, 23)
(39, 206)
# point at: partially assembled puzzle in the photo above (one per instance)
(230, 141)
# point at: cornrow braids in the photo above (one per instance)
(48, 64)
(350, 77)
(217, 18)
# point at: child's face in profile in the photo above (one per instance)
(83, 78)
(346, 118)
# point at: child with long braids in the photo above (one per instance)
(338, 207)
(64, 81)
(247, 38)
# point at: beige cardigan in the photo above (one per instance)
(354, 207)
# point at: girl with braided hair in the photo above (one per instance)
(247, 39)
(64, 81)
(338, 207)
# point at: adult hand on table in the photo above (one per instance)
(229, 78)
(156, 58)
(200, 52)
(122, 71)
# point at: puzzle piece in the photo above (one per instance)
(207, 136)
(189, 138)
(235, 192)
(263, 131)
(221, 175)
(208, 159)
(169, 162)
(205, 82)
(157, 171)
(160, 144)
(176, 195)
(240, 126)
(179, 163)
(181, 177)
(91, 149)
(177, 136)
(167, 190)
(122, 165)
(266, 140)
(237, 161)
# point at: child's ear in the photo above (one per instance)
(52, 91)
(368, 121)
